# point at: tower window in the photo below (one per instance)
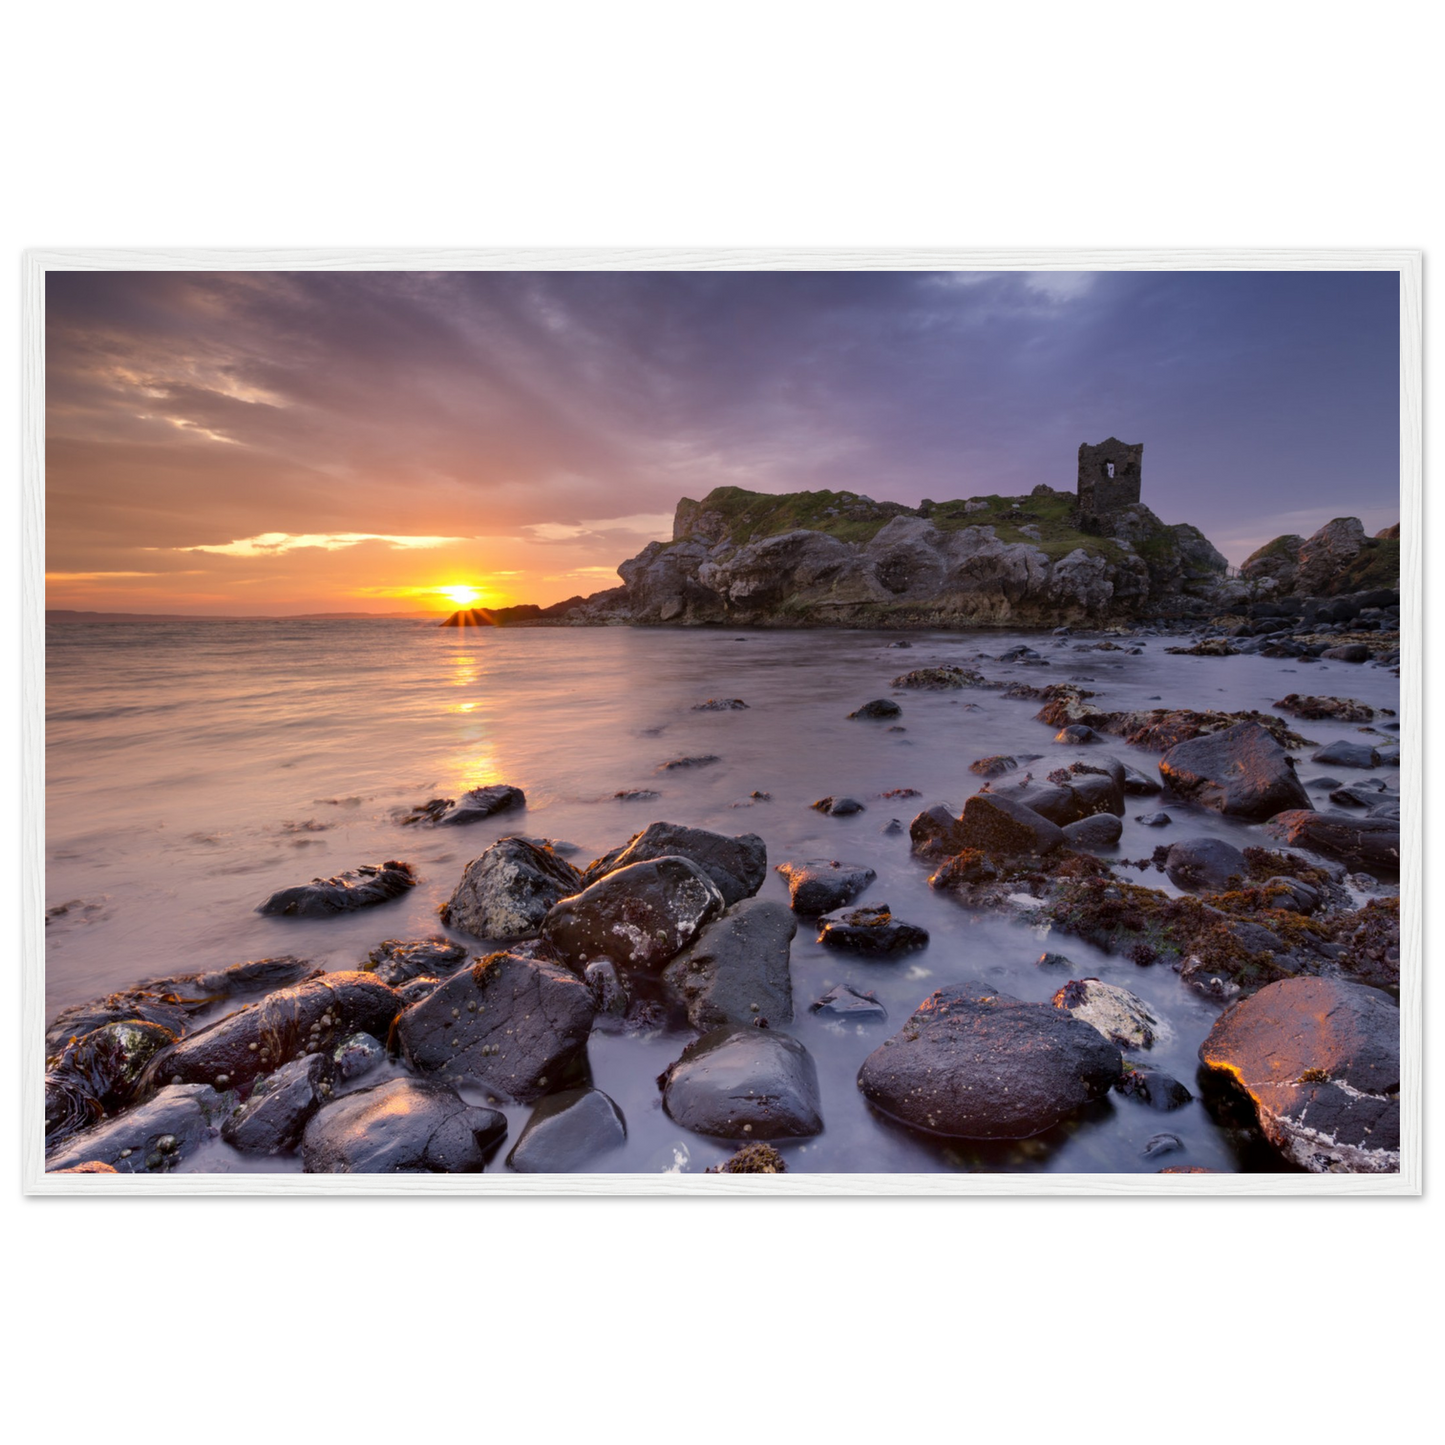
(1109, 470)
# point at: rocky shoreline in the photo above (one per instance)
(404, 1063)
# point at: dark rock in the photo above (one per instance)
(1102, 830)
(609, 991)
(879, 707)
(977, 1065)
(98, 1073)
(870, 930)
(1153, 1087)
(568, 1130)
(417, 989)
(257, 975)
(698, 760)
(481, 803)
(1161, 1144)
(819, 885)
(637, 795)
(1154, 820)
(838, 807)
(993, 823)
(737, 865)
(1241, 771)
(271, 1121)
(508, 891)
(1371, 843)
(720, 704)
(513, 1024)
(991, 767)
(404, 1126)
(1347, 755)
(738, 970)
(155, 1136)
(1320, 1059)
(1076, 734)
(738, 1083)
(1350, 652)
(892, 827)
(396, 961)
(938, 679)
(363, 887)
(1367, 793)
(847, 1004)
(1053, 960)
(1323, 783)
(640, 916)
(1206, 865)
(1340, 709)
(309, 1018)
(356, 1054)
(936, 833)
(1139, 785)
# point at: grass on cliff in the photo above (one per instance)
(1376, 564)
(851, 518)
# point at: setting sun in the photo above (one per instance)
(462, 596)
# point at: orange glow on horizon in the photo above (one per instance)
(462, 595)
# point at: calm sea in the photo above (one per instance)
(195, 768)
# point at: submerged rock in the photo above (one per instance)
(508, 891)
(1153, 1087)
(819, 885)
(404, 1126)
(568, 1130)
(697, 760)
(1242, 772)
(871, 929)
(720, 704)
(513, 1024)
(1370, 843)
(1100, 830)
(838, 807)
(738, 970)
(152, 1138)
(846, 1004)
(396, 961)
(879, 707)
(737, 865)
(1340, 709)
(939, 679)
(738, 1083)
(473, 806)
(1154, 820)
(976, 1065)
(363, 887)
(1320, 1059)
(1120, 1016)
(640, 916)
(1347, 755)
(992, 767)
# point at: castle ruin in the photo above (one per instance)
(1109, 480)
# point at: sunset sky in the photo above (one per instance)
(280, 442)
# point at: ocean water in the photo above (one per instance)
(195, 768)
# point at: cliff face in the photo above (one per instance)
(835, 559)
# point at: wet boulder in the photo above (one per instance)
(272, 1119)
(513, 1024)
(363, 887)
(508, 891)
(257, 975)
(972, 1064)
(880, 707)
(993, 766)
(1154, 820)
(738, 970)
(307, 1019)
(819, 885)
(1100, 830)
(1120, 1016)
(1076, 734)
(1320, 1060)
(1206, 865)
(1346, 754)
(153, 1137)
(838, 807)
(481, 803)
(936, 833)
(845, 1004)
(404, 1126)
(736, 865)
(994, 823)
(1153, 1087)
(397, 961)
(641, 916)
(1241, 771)
(1371, 843)
(721, 704)
(99, 1073)
(1347, 652)
(1140, 785)
(1366, 793)
(870, 930)
(744, 1083)
(567, 1131)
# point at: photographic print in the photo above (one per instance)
(885, 723)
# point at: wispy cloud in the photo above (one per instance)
(274, 544)
(656, 525)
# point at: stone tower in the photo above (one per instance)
(1109, 479)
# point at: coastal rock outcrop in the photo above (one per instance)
(737, 865)
(508, 891)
